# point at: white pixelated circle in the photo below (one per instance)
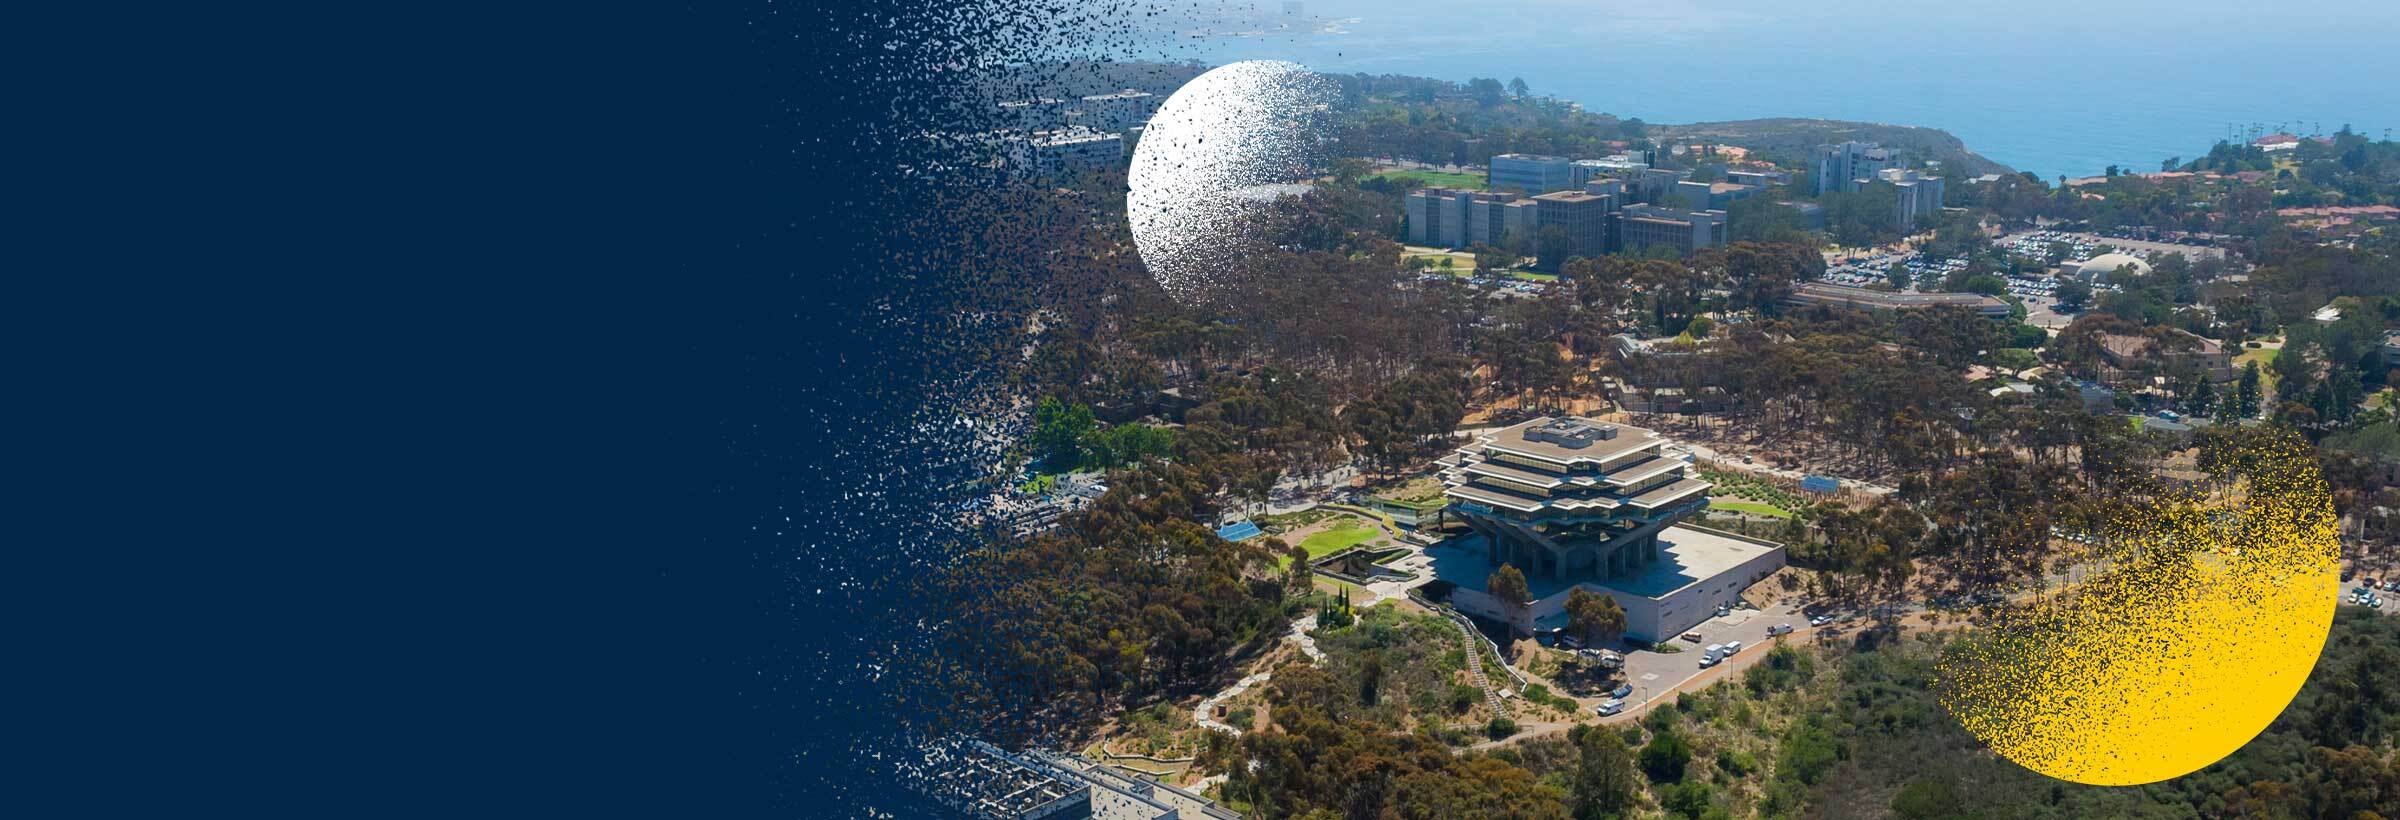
(1214, 157)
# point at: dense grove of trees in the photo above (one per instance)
(1431, 121)
(1405, 419)
(2330, 755)
(1322, 349)
(1126, 601)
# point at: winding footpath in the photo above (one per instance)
(1299, 636)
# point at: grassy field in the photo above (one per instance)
(1751, 507)
(1342, 535)
(2264, 356)
(1460, 263)
(1534, 276)
(1437, 179)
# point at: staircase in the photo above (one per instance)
(1482, 681)
(1466, 629)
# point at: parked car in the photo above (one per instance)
(1732, 647)
(1820, 620)
(1623, 690)
(1610, 708)
(1692, 637)
(1779, 629)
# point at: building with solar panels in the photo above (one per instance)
(980, 781)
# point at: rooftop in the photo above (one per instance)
(2134, 347)
(1566, 440)
(1687, 555)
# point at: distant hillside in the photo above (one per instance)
(1792, 138)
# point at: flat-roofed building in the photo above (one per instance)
(1762, 179)
(1654, 186)
(1713, 196)
(1581, 222)
(1575, 502)
(981, 781)
(1849, 166)
(1530, 173)
(1619, 166)
(1642, 227)
(1920, 195)
(1821, 293)
(1118, 110)
(1457, 218)
(2179, 352)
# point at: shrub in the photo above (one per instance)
(1463, 696)
(1665, 757)
(1736, 764)
(1500, 727)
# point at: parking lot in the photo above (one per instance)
(1653, 674)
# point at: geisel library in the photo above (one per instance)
(1574, 502)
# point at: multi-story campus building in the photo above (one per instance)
(1643, 226)
(1762, 179)
(1712, 196)
(1580, 220)
(1574, 502)
(1849, 166)
(2180, 353)
(1654, 185)
(1530, 174)
(1457, 218)
(1619, 166)
(1117, 110)
(1920, 195)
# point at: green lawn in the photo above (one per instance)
(1340, 536)
(2265, 357)
(1437, 179)
(1533, 276)
(1751, 507)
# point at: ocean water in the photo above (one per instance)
(2050, 86)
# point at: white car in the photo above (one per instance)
(1732, 647)
(1613, 706)
(1779, 629)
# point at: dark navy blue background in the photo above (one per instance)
(403, 388)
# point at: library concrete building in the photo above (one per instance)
(1573, 502)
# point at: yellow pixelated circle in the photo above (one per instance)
(2205, 622)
